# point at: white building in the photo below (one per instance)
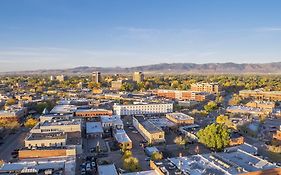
(137, 109)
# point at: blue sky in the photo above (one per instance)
(46, 34)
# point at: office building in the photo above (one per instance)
(117, 85)
(66, 126)
(213, 88)
(96, 76)
(138, 77)
(148, 130)
(261, 95)
(184, 95)
(143, 108)
(60, 78)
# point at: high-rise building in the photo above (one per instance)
(96, 77)
(138, 77)
(60, 78)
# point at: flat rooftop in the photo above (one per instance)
(46, 136)
(110, 119)
(61, 122)
(63, 109)
(180, 116)
(149, 126)
(107, 169)
(93, 127)
(121, 136)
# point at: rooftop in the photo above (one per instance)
(107, 169)
(149, 126)
(93, 127)
(111, 119)
(46, 136)
(121, 136)
(180, 116)
(61, 122)
(63, 109)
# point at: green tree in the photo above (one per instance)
(214, 136)
(30, 122)
(127, 87)
(131, 164)
(210, 106)
(156, 156)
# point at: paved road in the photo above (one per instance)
(15, 141)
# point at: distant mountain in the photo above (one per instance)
(173, 68)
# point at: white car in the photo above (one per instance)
(135, 132)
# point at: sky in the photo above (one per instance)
(51, 34)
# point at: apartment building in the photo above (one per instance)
(143, 108)
(148, 130)
(266, 106)
(184, 95)
(213, 88)
(180, 118)
(261, 95)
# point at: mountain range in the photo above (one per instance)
(172, 68)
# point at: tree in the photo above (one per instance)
(127, 87)
(127, 154)
(210, 106)
(30, 122)
(10, 101)
(222, 119)
(181, 141)
(156, 156)
(214, 136)
(131, 164)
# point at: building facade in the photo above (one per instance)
(213, 88)
(138, 77)
(96, 77)
(137, 109)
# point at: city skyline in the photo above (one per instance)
(67, 34)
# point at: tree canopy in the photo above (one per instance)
(214, 136)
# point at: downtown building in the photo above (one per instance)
(184, 95)
(142, 108)
(213, 88)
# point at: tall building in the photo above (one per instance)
(60, 78)
(138, 77)
(96, 77)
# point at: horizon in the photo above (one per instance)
(130, 67)
(65, 34)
